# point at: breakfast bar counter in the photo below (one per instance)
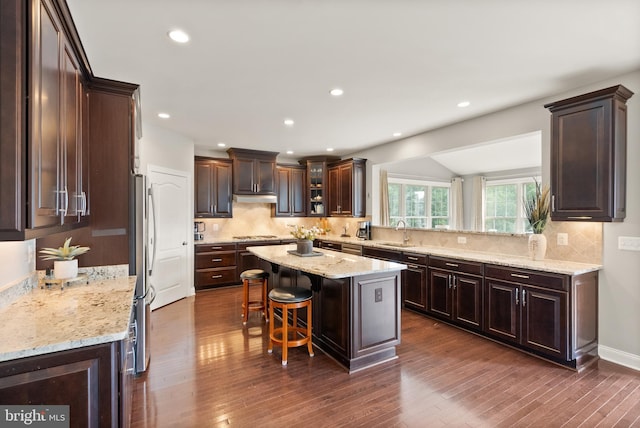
(356, 301)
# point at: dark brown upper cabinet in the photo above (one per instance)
(44, 144)
(589, 156)
(254, 172)
(291, 182)
(346, 180)
(213, 188)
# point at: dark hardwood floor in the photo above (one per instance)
(208, 371)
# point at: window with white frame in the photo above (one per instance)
(504, 209)
(421, 204)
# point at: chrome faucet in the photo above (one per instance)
(405, 237)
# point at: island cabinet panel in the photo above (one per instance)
(376, 306)
(85, 379)
(455, 291)
(588, 156)
(331, 313)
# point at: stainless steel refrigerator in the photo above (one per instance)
(138, 256)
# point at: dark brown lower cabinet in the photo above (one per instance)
(551, 315)
(414, 281)
(92, 381)
(215, 265)
(455, 291)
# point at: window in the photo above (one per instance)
(420, 204)
(504, 211)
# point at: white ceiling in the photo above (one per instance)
(403, 64)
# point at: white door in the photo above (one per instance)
(169, 226)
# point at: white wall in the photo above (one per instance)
(619, 300)
(17, 260)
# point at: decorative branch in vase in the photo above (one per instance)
(65, 264)
(537, 209)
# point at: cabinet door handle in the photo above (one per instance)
(524, 298)
(449, 280)
(83, 198)
(216, 276)
(216, 260)
(517, 275)
(517, 293)
(452, 264)
(553, 203)
(455, 280)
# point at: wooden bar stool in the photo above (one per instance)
(251, 277)
(289, 298)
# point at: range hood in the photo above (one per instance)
(255, 199)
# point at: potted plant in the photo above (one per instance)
(305, 238)
(65, 264)
(537, 209)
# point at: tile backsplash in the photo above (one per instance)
(585, 239)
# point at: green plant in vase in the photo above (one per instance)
(65, 264)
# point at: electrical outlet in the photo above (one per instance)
(563, 239)
(631, 243)
(215, 227)
(462, 240)
(378, 295)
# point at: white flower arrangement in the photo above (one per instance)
(300, 232)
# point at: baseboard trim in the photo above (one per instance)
(617, 356)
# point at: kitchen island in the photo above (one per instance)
(356, 301)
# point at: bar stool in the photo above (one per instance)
(285, 299)
(251, 277)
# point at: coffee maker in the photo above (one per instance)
(364, 230)
(198, 230)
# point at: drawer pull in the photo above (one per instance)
(413, 266)
(216, 248)
(452, 264)
(415, 259)
(216, 276)
(517, 275)
(216, 260)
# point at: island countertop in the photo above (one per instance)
(50, 319)
(329, 264)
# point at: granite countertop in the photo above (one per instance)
(51, 319)
(552, 266)
(329, 264)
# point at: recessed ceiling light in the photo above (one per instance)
(222, 145)
(178, 36)
(397, 134)
(289, 122)
(164, 115)
(329, 149)
(464, 104)
(289, 152)
(336, 92)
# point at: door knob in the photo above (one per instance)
(184, 242)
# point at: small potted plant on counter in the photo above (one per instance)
(305, 238)
(65, 264)
(537, 209)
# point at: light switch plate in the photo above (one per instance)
(630, 243)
